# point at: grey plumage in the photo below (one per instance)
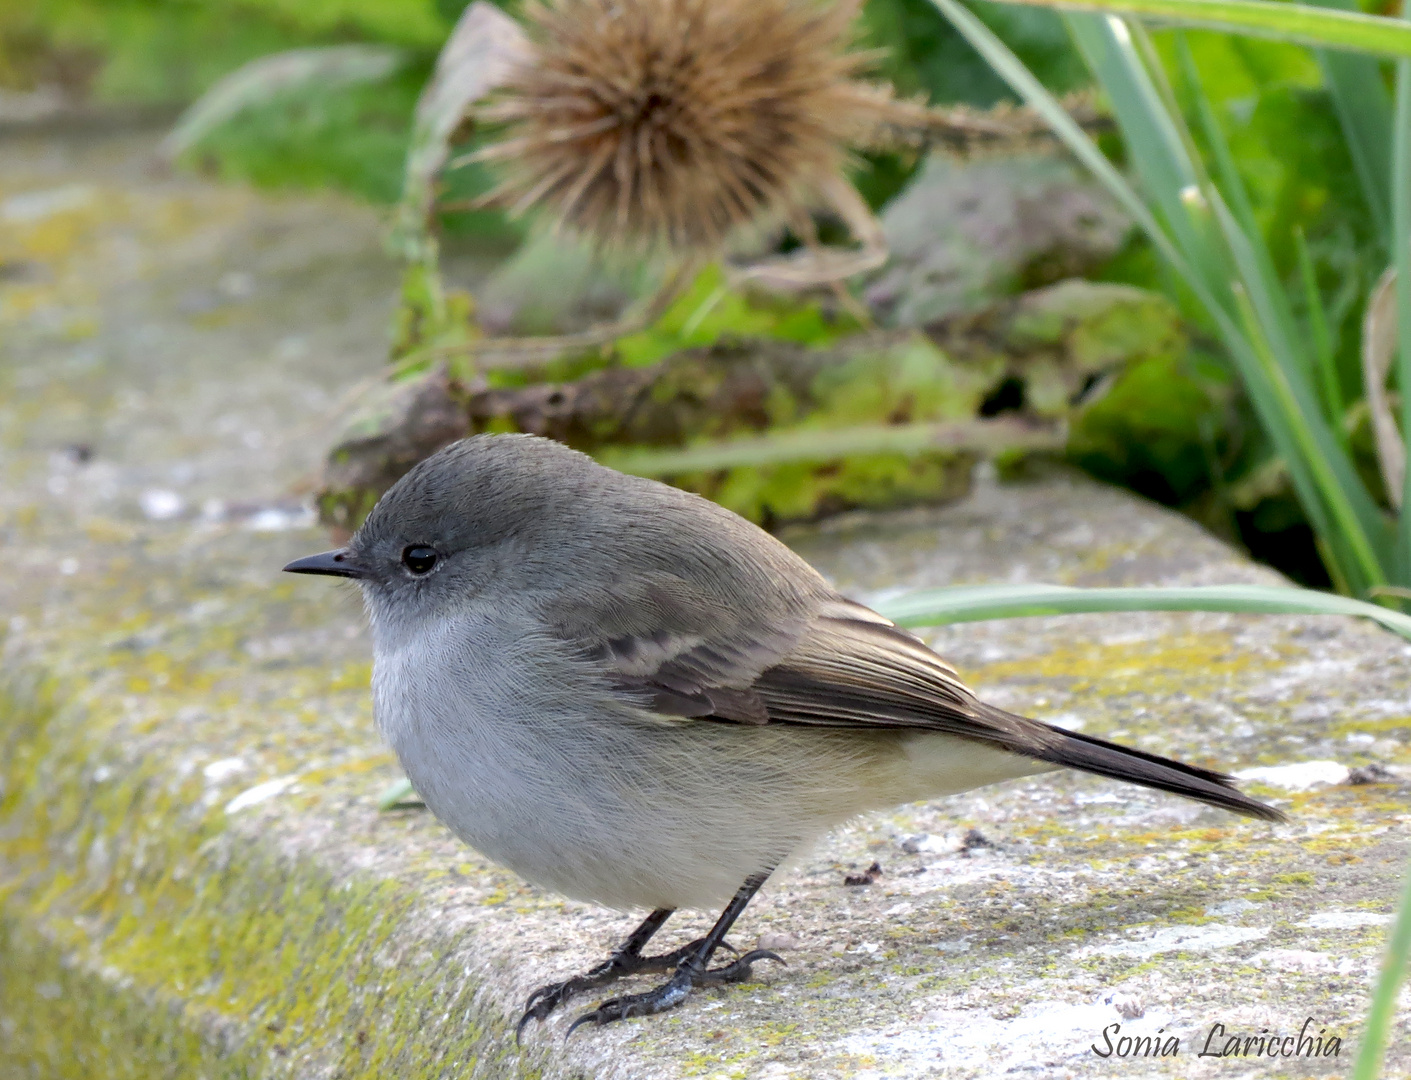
(630, 695)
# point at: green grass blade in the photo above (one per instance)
(266, 78)
(974, 603)
(1341, 509)
(1230, 180)
(1400, 243)
(1233, 189)
(1166, 170)
(1296, 24)
(1010, 68)
(1155, 149)
(1311, 455)
(1364, 112)
(398, 793)
(1334, 404)
(1374, 1035)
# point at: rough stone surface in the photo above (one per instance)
(965, 232)
(194, 876)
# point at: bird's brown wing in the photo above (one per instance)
(835, 663)
(822, 660)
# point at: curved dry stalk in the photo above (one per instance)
(1378, 349)
(483, 49)
(813, 265)
(1001, 128)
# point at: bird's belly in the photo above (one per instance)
(670, 815)
(596, 800)
(649, 818)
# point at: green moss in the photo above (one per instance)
(147, 939)
(710, 310)
(58, 1021)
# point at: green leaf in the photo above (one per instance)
(1364, 111)
(1333, 403)
(1400, 244)
(1198, 236)
(711, 309)
(400, 793)
(1296, 24)
(1374, 1036)
(974, 603)
(265, 79)
(832, 444)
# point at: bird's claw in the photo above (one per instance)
(546, 999)
(672, 992)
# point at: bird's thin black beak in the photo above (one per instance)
(337, 563)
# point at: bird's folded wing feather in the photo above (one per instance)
(825, 661)
(828, 662)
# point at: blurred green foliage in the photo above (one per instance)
(1156, 429)
(169, 51)
(1293, 157)
(711, 310)
(926, 56)
(1173, 428)
(352, 138)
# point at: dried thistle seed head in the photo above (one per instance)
(671, 123)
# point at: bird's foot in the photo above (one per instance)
(622, 964)
(672, 992)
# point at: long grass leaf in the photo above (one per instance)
(267, 78)
(1230, 180)
(1312, 452)
(1334, 403)
(1296, 24)
(1267, 401)
(1233, 189)
(973, 603)
(1374, 1035)
(1400, 242)
(1154, 146)
(1364, 112)
(1010, 68)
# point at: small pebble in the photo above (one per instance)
(867, 877)
(1375, 773)
(974, 838)
(775, 940)
(1128, 1006)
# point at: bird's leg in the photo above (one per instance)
(691, 971)
(626, 959)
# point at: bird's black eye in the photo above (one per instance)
(419, 558)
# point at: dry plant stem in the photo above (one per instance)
(511, 353)
(1378, 350)
(812, 266)
(484, 47)
(1002, 128)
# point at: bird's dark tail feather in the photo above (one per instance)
(1078, 751)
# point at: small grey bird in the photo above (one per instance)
(630, 695)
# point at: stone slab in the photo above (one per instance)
(194, 876)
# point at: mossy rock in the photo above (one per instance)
(1043, 356)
